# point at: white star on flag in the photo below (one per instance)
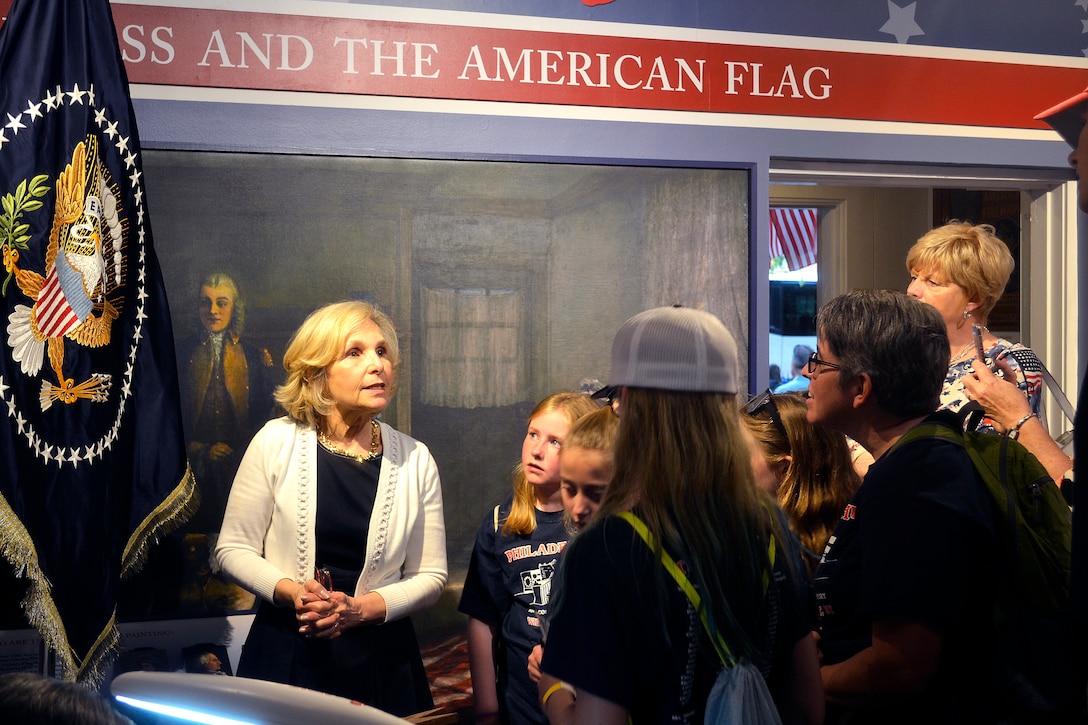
(75, 95)
(14, 123)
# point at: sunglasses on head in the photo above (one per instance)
(765, 402)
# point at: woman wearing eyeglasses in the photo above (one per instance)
(907, 584)
(809, 467)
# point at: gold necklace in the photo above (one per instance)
(375, 437)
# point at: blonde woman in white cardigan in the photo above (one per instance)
(335, 522)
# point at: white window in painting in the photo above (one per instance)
(471, 352)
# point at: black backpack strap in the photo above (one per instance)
(971, 415)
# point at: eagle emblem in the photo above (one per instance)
(71, 302)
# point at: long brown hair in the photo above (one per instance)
(522, 517)
(820, 477)
(680, 458)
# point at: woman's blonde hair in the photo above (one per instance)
(820, 478)
(682, 459)
(971, 256)
(522, 517)
(318, 342)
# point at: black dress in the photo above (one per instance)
(379, 665)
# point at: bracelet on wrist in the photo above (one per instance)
(556, 688)
(1014, 431)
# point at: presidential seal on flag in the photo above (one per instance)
(84, 264)
(92, 456)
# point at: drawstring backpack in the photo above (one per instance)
(740, 693)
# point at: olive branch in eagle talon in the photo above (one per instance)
(71, 300)
(13, 231)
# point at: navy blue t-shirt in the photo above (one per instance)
(508, 587)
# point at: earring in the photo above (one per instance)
(967, 314)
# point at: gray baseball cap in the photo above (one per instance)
(675, 348)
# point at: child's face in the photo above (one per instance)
(583, 478)
(540, 451)
(765, 477)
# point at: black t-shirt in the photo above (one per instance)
(916, 542)
(606, 635)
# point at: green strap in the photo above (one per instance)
(724, 653)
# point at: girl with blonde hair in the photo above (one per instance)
(585, 466)
(509, 579)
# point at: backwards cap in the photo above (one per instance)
(675, 348)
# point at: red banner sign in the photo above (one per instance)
(359, 56)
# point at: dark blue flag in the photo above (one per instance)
(92, 458)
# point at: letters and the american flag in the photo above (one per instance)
(92, 458)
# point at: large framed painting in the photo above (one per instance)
(505, 279)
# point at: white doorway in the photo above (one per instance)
(869, 216)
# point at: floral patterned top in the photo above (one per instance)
(1023, 361)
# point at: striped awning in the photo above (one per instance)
(793, 236)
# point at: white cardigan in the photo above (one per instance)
(268, 530)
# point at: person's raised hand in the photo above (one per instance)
(1003, 401)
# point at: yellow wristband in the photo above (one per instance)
(556, 688)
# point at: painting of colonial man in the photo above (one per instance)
(226, 389)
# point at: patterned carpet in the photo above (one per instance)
(447, 669)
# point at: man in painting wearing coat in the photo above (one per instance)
(226, 394)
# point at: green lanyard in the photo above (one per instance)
(724, 653)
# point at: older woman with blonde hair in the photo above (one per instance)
(962, 270)
(335, 522)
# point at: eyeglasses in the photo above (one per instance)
(765, 401)
(815, 362)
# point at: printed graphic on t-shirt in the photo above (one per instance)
(823, 606)
(537, 562)
(537, 583)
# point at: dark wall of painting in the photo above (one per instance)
(506, 280)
